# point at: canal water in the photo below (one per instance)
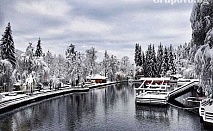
(105, 109)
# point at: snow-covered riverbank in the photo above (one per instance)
(10, 102)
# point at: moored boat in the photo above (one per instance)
(149, 97)
(206, 111)
(153, 91)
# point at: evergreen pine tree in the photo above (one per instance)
(106, 63)
(165, 66)
(137, 50)
(149, 62)
(159, 60)
(38, 52)
(135, 59)
(172, 67)
(143, 63)
(113, 67)
(7, 46)
(139, 56)
(154, 61)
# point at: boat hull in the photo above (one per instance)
(206, 112)
(151, 101)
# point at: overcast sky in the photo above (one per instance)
(113, 25)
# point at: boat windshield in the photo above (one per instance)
(157, 93)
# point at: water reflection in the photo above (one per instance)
(147, 112)
(110, 108)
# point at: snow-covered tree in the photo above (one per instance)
(29, 50)
(154, 61)
(125, 66)
(6, 71)
(28, 64)
(28, 58)
(105, 64)
(203, 63)
(70, 62)
(41, 70)
(7, 46)
(201, 22)
(139, 56)
(59, 68)
(149, 62)
(75, 66)
(90, 60)
(38, 51)
(71, 53)
(165, 66)
(48, 58)
(138, 61)
(136, 54)
(159, 60)
(171, 63)
(143, 63)
(182, 57)
(113, 68)
(81, 74)
(51, 63)
(201, 45)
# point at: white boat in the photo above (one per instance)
(153, 91)
(150, 97)
(158, 90)
(206, 111)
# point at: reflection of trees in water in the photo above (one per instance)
(25, 118)
(81, 106)
(65, 111)
(6, 123)
(111, 96)
(116, 93)
(69, 112)
(151, 113)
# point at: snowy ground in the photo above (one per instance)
(6, 98)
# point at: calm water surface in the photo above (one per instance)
(112, 108)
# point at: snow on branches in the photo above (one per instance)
(7, 46)
(155, 65)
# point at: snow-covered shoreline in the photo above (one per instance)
(9, 103)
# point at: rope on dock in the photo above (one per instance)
(183, 107)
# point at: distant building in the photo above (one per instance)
(96, 78)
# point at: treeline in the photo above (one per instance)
(73, 68)
(152, 64)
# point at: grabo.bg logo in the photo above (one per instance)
(172, 2)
